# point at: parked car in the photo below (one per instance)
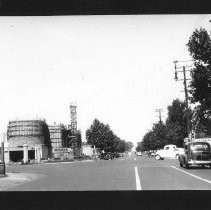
(116, 155)
(196, 153)
(151, 153)
(87, 157)
(138, 154)
(95, 156)
(106, 156)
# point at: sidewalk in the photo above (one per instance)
(60, 161)
(14, 179)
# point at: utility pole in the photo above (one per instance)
(186, 100)
(2, 163)
(185, 90)
(160, 116)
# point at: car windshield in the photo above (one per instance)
(200, 147)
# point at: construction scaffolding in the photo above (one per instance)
(56, 135)
(74, 140)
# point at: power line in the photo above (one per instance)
(160, 116)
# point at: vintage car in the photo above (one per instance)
(106, 156)
(169, 151)
(196, 153)
(138, 154)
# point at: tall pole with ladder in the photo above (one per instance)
(160, 116)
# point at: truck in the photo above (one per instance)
(197, 153)
(169, 151)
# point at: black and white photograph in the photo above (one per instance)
(105, 103)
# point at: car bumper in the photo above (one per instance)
(199, 162)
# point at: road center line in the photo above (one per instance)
(138, 183)
(198, 177)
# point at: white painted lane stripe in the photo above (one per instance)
(138, 183)
(197, 177)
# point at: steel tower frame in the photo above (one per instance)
(73, 118)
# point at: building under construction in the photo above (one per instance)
(59, 142)
(27, 140)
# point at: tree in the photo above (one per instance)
(65, 137)
(201, 124)
(79, 140)
(100, 136)
(172, 132)
(156, 138)
(199, 46)
(103, 138)
(176, 123)
(128, 146)
(139, 147)
(147, 141)
(159, 135)
(119, 145)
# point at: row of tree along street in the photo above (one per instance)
(102, 137)
(174, 129)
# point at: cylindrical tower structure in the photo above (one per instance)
(27, 140)
(28, 131)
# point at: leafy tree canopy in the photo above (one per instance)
(199, 46)
(103, 138)
(172, 132)
(140, 147)
(128, 146)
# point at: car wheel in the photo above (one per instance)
(177, 156)
(180, 163)
(186, 164)
(157, 157)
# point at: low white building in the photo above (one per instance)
(87, 149)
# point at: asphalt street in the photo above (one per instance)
(125, 173)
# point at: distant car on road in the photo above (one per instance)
(196, 153)
(87, 157)
(151, 153)
(116, 155)
(138, 154)
(106, 156)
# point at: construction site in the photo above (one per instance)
(34, 140)
(30, 135)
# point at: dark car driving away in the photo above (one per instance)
(105, 156)
(196, 153)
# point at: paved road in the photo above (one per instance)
(126, 173)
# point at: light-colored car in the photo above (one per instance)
(169, 151)
(138, 154)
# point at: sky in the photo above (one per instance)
(118, 69)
